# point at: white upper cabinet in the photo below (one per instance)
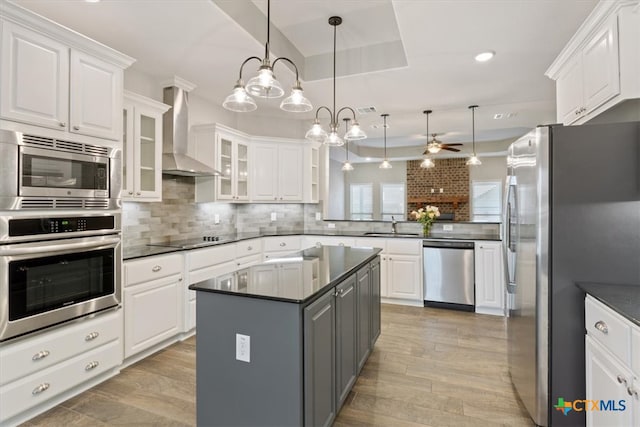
(34, 78)
(142, 148)
(53, 77)
(232, 161)
(277, 172)
(599, 67)
(96, 97)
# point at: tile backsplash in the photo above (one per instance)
(178, 217)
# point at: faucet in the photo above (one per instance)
(393, 225)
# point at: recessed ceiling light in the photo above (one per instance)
(92, 1)
(485, 56)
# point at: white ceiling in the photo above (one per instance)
(199, 41)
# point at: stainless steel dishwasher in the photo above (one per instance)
(449, 277)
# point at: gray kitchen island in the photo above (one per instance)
(281, 343)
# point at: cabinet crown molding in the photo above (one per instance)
(19, 15)
(146, 101)
(601, 12)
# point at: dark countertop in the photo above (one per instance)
(157, 249)
(623, 299)
(296, 278)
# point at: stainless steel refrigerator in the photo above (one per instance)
(572, 213)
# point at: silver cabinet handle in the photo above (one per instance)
(92, 365)
(76, 128)
(632, 392)
(40, 355)
(42, 387)
(249, 248)
(62, 124)
(621, 379)
(130, 192)
(283, 244)
(92, 336)
(275, 198)
(156, 268)
(138, 193)
(602, 327)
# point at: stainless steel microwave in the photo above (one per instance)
(42, 173)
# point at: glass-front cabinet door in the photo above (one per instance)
(233, 163)
(142, 148)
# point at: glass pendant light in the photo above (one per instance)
(265, 84)
(239, 101)
(473, 160)
(356, 132)
(347, 166)
(427, 163)
(385, 163)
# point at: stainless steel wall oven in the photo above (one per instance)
(44, 173)
(57, 268)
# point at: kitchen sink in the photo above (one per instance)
(377, 234)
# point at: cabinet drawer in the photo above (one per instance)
(211, 272)
(248, 247)
(152, 268)
(404, 246)
(27, 356)
(635, 351)
(608, 328)
(330, 241)
(282, 244)
(207, 257)
(43, 385)
(372, 242)
(248, 260)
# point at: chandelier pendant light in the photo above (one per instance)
(317, 133)
(428, 163)
(265, 84)
(385, 163)
(473, 160)
(347, 166)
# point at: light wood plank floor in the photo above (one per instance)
(430, 367)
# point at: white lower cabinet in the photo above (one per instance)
(612, 356)
(153, 307)
(311, 241)
(41, 371)
(490, 280)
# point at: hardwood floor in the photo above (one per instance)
(430, 367)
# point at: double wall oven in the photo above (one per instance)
(60, 232)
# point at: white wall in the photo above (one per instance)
(336, 196)
(491, 169)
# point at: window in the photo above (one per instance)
(392, 201)
(486, 205)
(361, 201)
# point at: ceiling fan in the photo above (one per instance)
(434, 145)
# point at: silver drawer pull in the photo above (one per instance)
(156, 268)
(283, 244)
(602, 327)
(249, 248)
(42, 387)
(92, 365)
(76, 127)
(92, 336)
(621, 379)
(632, 392)
(40, 355)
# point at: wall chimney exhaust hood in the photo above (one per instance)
(175, 131)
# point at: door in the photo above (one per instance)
(569, 91)
(363, 297)
(35, 78)
(148, 153)
(290, 173)
(489, 275)
(375, 301)
(607, 380)
(528, 321)
(346, 321)
(95, 97)
(319, 362)
(403, 279)
(225, 165)
(601, 68)
(241, 176)
(128, 142)
(265, 172)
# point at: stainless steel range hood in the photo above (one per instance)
(175, 129)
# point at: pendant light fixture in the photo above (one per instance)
(347, 166)
(473, 160)
(317, 133)
(427, 163)
(265, 84)
(385, 163)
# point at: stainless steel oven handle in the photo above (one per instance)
(97, 242)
